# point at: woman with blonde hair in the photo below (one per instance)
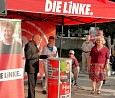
(97, 64)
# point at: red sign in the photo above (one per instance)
(82, 8)
(65, 90)
(59, 79)
(11, 69)
(68, 7)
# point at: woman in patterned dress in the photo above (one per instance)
(97, 64)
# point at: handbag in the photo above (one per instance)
(111, 60)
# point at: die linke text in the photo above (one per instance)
(68, 7)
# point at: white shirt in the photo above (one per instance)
(47, 51)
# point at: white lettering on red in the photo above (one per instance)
(68, 7)
(75, 8)
(65, 6)
(48, 6)
(81, 9)
(87, 12)
(58, 9)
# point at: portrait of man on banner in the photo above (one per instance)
(8, 43)
(65, 71)
(11, 68)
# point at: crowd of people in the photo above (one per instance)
(95, 60)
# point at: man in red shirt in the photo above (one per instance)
(75, 67)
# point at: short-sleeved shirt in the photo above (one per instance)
(49, 50)
(86, 46)
(99, 56)
(75, 62)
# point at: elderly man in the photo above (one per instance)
(32, 55)
(86, 48)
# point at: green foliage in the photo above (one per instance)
(63, 65)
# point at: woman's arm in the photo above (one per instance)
(107, 63)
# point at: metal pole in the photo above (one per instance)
(61, 35)
(61, 41)
(95, 25)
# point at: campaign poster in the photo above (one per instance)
(11, 69)
(65, 78)
(59, 78)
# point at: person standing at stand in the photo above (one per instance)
(32, 55)
(51, 51)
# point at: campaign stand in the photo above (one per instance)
(59, 78)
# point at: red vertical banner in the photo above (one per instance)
(59, 78)
(53, 77)
(65, 78)
(11, 69)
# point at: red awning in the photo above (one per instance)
(62, 11)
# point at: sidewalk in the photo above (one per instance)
(85, 83)
(38, 91)
(84, 88)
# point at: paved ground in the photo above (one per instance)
(84, 88)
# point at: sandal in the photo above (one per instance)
(98, 91)
(93, 91)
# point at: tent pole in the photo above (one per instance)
(95, 25)
(61, 40)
